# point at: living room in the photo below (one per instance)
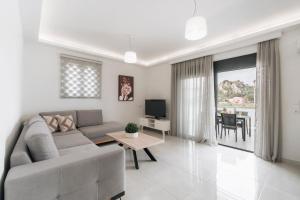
(147, 67)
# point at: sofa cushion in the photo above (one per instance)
(78, 149)
(94, 132)
(70, 140)
(66, 123)
(89, 118)
(51, 122)
(66, 133)
(63, 113)
(40, 142)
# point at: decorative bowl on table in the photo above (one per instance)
(131, 130)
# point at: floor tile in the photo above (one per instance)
(187, 170)
(270, 193)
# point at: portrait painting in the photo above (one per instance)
(126, 88)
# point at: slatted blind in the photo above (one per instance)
(80, 78)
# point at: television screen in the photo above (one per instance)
(155, 108)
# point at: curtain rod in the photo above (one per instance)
(230, 46)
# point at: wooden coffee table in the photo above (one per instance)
(143, 141)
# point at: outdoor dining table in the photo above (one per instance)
(244, 120)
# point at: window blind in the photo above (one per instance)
(80, 78)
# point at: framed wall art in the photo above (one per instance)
(126, 88)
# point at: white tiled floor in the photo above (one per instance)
(191, 171)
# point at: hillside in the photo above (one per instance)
(235, 92)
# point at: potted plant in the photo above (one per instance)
(131, 130)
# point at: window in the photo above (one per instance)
(80, 78)
(236, 89)
(192, 90)
(235, 83)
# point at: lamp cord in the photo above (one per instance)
(195, 8)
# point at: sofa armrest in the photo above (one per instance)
(96, 174)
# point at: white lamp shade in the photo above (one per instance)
(130, 57)
(195, 28)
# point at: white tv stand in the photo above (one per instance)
(158, 124)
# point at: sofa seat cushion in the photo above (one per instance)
(89, 118)
(78, 149)
(94, 132)
(75, 131)
(70, 140)
(39, 141)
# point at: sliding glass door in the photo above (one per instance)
(235, 80)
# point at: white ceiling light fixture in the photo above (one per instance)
(130, 56)
(195, 27)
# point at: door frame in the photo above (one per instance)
(232, 64)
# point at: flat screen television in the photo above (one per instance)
(155, 108)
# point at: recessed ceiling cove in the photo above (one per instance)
(102, 26)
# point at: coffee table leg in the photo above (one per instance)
(150, 154)
(136, 164)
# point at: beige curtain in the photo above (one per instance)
(192, 105)
(267, 101)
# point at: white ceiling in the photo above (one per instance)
(102, 26)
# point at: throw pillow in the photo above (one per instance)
(51, 122)
(66, 123)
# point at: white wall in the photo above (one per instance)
(290, 94)
(158, 86)
(41, 84)
(10, 64)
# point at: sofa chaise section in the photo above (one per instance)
(93, 175)
(82, 170)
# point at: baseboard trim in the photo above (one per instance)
(292, 162)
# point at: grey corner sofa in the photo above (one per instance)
(70, 166)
